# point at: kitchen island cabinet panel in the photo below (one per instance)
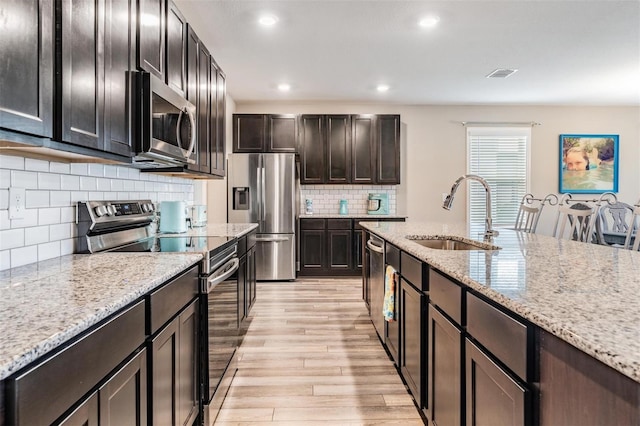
(26, 92)
(412, 313)
(492, 396)
(85, 415)
(576, 389)
(445, 378)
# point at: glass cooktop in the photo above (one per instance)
(178, 244)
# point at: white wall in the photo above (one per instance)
(434, 146)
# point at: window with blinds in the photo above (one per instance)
(501, 157)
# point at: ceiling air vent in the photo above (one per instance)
(501, 73)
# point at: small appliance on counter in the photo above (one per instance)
(378, 204)
(198, 216)
(173, 217)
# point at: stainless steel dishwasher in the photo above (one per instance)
(375, 249)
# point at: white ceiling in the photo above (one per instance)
(567, 52)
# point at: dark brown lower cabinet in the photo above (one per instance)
(493, 397)
(412, 306)
(174, 370)
(85, 415)
(340, 254)
(445, 370)
(123, 399)
(312, 249)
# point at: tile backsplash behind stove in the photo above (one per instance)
(52, 191)
(326, 198)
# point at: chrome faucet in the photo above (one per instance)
(489, 233)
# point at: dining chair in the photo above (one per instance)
(530, 211)
(613, 222)
(630, 231)
(575, 222)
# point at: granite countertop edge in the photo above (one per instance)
(624, 362)
(351, 216)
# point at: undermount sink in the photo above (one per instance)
(443, 243)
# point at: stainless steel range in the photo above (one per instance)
(126, 226)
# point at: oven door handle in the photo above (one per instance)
(222, 274)
(374, 247)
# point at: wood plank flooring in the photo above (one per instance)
(312, 357)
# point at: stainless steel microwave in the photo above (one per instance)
(166, 125)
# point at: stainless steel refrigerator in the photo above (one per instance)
(262, 189)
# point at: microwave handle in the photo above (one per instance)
(192, 122)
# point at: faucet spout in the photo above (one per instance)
(489, 232)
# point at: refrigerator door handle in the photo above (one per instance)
(259, 191)
(263, 190)
(271, 239)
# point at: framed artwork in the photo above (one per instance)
(588, 164)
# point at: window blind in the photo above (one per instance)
(501, 157)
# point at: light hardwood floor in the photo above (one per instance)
(311, 357)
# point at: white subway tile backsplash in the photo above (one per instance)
(24, 255)
(4, 199)
(36, 165)
(95, 169)
(79, 169)
(30, 219)
(88, 183)
(60, 198)
(5, 223)
(11, 238)
(36, 199)
(68, 214)
(11, 162)
(22, 179)
(53, 190)
(48, 250)
(5, 259)
(49, 216)
(103, 184)
(5, 178)
(36, 235)
(69, 182)
(48, 181)
(60, 232)
(61, 168)
(67, 246)
(326, 197)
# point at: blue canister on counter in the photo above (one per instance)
(343, 207)
(308, 206)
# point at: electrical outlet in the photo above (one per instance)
(16, 203)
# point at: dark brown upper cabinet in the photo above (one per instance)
(312, 149)
(151, 37)
(82, 78)
(192, 87)
(265, 133)
(204, 109)
(176, 49)
(350, 149)
(363, 148)
(388, 149)
(119, 62)
(26, 92)
(218, 138)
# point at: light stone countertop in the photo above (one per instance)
(217, 230)
(586, 294)
(44, 304)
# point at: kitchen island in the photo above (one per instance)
(585, 296)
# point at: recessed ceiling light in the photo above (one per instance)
(268, 20)
(284, 87)
(429, 21)
(382, 88)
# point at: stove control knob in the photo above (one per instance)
(147, 208)
(111, 210)
(100, 211)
